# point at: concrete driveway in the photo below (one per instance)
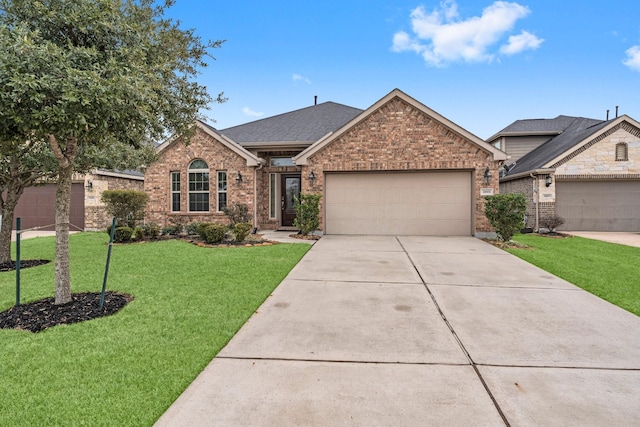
(382, 330)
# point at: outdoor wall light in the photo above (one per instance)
(548, 180)
(312, 177)
(239, 178)
(487, 176)
(89, 186)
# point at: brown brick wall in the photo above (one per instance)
(96, 217)
(177, 157)
(398, 137)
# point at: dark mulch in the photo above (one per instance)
(11, 265)
(40, 315)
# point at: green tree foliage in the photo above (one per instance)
(92, 77)
(307, 213)
(127, 206)
(506, 213)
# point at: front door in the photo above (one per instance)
(290, 191)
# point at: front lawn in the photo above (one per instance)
(128, 368)
(608, 270)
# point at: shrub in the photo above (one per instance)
(551, 222)
(505, 213)
(138, 234)
(202, 229)
(241, 230)
(122, 234)
(192, 229)
(172, 230)
(237, 213)
(307, 212)
(127, 206)
(214, 233)
(151, 230)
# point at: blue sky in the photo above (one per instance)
(482, 64)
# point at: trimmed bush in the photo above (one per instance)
(241, 231)
(506, 213)
(551, 222)
(237, 213)
(122, 234)
(138, 234)
(307, 213)
(215, 233)
(151, 230)
(202, 229)
(172, 230)
(127, 206)
(192, 229)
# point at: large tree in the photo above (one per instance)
(87, 75)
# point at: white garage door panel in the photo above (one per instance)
(394, 203)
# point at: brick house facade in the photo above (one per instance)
(396, 138)
(588, 173)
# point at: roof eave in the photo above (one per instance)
(539, 171)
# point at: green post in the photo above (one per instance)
(106, 268)
(18, 233)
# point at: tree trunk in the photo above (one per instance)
(8, 207)
(63, 207)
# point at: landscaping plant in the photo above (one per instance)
(505, 212)
(241, 231)
(307, 213)
(237, 213)
(127, 206)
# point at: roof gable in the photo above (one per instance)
(301, 159)
(561, 148)
(251, 159)
(306, 125)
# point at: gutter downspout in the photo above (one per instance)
(536, 195)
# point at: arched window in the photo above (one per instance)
(198, 186)
(622, 152)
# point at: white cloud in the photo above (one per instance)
(249, 112)
(442, 36)
(633, 58)
(523, 41)
(299, 78)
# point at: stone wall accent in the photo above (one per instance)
(176, 157)
(96, 217)
(598, 156)
(399, 137)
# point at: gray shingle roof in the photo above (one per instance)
(304, 125)
(578, 130)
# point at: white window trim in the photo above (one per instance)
(219, 191)
(172, 192)
(189, 191)
(273, 196)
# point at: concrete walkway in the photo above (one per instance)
(421, 331)
(621, 238)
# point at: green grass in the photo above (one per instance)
(128, 368)
(608, 270)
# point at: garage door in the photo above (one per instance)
(397, 203)
(37, 207)
(599, 206)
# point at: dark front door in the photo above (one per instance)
(290, 191)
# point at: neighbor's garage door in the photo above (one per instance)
(396, 203)
(37, 207)
(599, 205)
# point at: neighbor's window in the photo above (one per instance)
(222, 190)
(622, 152)
(272, 195)
(281, 161)
(175, 191)
(198, 186)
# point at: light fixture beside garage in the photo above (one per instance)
(548, 180)
(239, 177)
(312, 177)
(487, 176)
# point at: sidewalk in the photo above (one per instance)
(621, 238)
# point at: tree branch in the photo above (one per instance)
(57, 151)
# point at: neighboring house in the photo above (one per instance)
(36, 207)
(586, 171)
(397, 167)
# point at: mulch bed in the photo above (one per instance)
(11, 265)
(40, 315)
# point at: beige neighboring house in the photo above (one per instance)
(36, 207)
(585, 170)
(395, 168)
